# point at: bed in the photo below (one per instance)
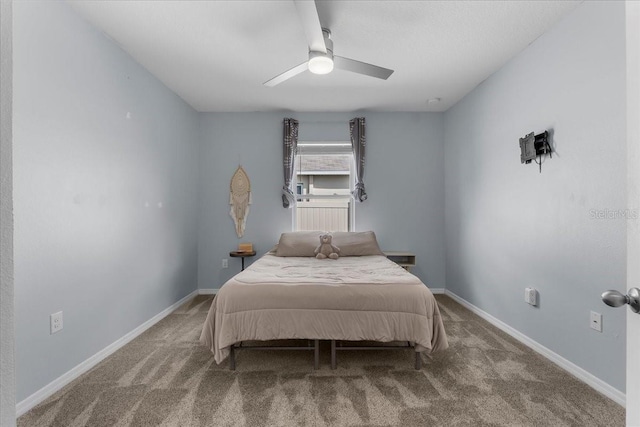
(362, 297)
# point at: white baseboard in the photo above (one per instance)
(55, 385)
(211, 291)
(584, 376)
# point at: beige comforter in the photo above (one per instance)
(351, 298)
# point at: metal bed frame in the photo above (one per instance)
(335, 348)
(315, 347)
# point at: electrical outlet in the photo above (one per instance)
(595, 321)
(56, 322)
(531, 296)
(225, 263)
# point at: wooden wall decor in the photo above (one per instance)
(240, 199)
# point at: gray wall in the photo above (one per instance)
(105, 203)
(7, 360)
(509, 226)
(404, 180)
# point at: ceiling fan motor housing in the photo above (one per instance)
(322, 62)
(328, 44)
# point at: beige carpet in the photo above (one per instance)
(164, 377)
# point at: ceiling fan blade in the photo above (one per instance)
(361, 67)
(287, 74)
(311, 24)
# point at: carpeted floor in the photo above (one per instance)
(165, 378)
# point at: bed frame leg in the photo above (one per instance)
(232, 358)
(316, 354)
(418, 361)
(333, 354)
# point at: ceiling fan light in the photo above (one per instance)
(320, 65)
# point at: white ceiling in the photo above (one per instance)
(216, 54)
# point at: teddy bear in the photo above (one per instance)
(326, 249)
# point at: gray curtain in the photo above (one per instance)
(358, 143)
(290, 147)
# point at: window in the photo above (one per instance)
(323, 173)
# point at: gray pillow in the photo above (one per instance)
(299, 243)
(356, 243)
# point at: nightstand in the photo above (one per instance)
(404, 259)
(242, 255)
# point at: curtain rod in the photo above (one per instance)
(324, 122)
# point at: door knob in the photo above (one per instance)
(616, 299)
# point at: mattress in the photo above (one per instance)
(352, 298)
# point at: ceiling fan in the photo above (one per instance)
(321, 57)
